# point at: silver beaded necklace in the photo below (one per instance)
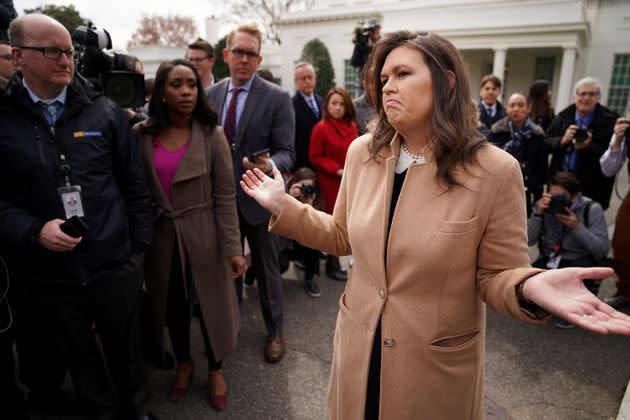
(416, 158)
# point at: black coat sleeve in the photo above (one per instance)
(7, 13)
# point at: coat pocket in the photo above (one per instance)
(456, 227)
(455, 342)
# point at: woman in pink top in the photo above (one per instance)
(196, 250)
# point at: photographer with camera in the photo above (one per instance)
(304, 187)
(569, 228)
(611, 163)
(68, 153)
(578, 136)
(364, 38)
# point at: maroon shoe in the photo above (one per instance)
(176, 393)
(218, 402)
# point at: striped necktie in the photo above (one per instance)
(51, 111)
(311, 103)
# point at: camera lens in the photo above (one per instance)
(307, 189)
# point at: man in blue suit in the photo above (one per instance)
(256, 115)
(309, 108)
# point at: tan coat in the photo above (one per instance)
(204, 222)
(448, 252)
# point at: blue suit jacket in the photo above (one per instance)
(268, 121)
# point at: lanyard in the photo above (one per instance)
(558, 245)
(64, 165)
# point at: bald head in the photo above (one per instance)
(42, 48)
(26, 27)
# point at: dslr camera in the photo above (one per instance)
(307, 190)
(581, 135)
(114, 73)
(558, 203)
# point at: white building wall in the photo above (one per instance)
(153, 56)
(336, 35)
(610, 36)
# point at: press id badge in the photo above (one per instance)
(71, 200)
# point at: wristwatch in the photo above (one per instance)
(530, 308)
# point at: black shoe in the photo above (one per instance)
(299, 265)
(250, 277)
(312, 288)
(333, 268)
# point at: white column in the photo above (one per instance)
(212, 31)
(498, 67)
(565, 83)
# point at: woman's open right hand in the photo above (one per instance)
(267, 191)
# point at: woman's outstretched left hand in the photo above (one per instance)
(562, 292)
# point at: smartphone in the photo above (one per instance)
(253, 157)
(74, 227)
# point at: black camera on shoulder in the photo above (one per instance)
(115, 73)
(307, 190)
(558, 204)
(361, 39)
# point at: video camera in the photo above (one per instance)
(363, 31)
(115, 73)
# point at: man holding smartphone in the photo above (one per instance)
(68, 153)
(256, 115)
(578, 136)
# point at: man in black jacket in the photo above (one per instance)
(309, 108)
(7, 14)
(578, 136)
(65, 149)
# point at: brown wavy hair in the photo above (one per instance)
(349, 114)
(452, 135)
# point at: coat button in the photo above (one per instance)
(389, 342)
(381, 293)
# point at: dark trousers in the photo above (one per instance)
(12, 396)
(373, 393)
(111, 300)
(265, 250)
(621, 247)
(179, 314)
(297, 252)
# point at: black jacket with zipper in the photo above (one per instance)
(593, 182)
(103, 160)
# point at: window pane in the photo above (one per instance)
(619, 92)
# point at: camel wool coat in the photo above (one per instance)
(203, 221)
(448, 252)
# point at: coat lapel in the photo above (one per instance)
(159, 196)
(306, 109)
(390, 167)
(221, 100)
(193, 163)
(250, 105)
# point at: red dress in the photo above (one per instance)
(330, 140)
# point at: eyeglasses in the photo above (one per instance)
(197, 59)
(585, 94)
(54, 53)
(6, 56)
(242, 53)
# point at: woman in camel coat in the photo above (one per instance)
(196, 250)
(435, 220)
